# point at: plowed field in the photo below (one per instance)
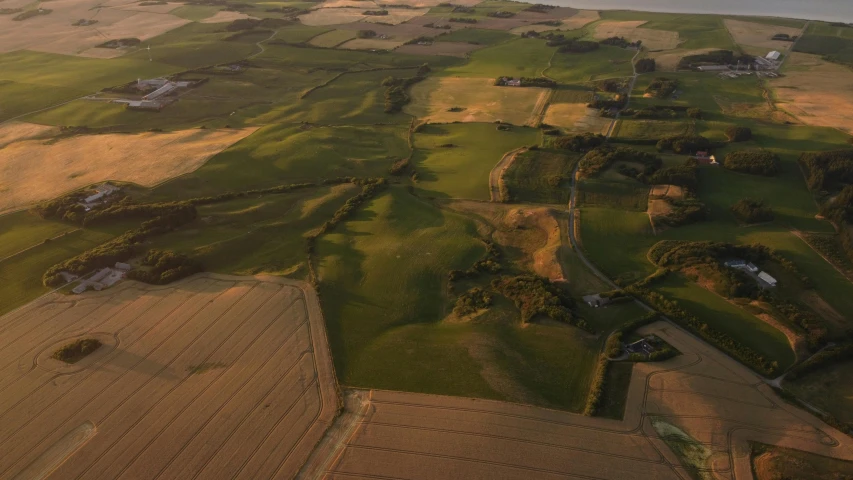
(713, 402)
(213, 377)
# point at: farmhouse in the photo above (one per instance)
(704, 158)
(596, 300)
(766, 278)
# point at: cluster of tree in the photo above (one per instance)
(596, 388)
(645, 65)
(399, 167)
(365, 34)
(369, 188)
(651, 113)
(602, 157)
(724, 342)
(612, 85)
(682, 175)
(535, 296)
(35, 12)
(807, 320)
(832, 247)
(605, 104)
(67, 208)
(749, 211)
(784, 37)
(717, 57)
(662, 87)
(472, 301)
(613, 347)
(165, 267)
(538, 82)
(754, 162)
(462, 20)
(841, 352)
(539, 8)
(683, 212)
(738, 134)
(119, 43)
(375, 13)
(501, 14)
(839, 210)
(581, 142)
(616, 42)
(488, 264)
(279, 189)
(684, 144)
(463, 9)
(440, 27)
(75, 351)
(828, 170)
(694, 112)
(396, 94)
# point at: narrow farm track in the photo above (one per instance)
(496, 174)
(213, 377)
(438, 437)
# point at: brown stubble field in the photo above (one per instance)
(817, 92)
(213, 377)
(720, 404)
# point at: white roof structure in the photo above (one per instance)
(767, 278)
(95, 197)
(713, 68)
(168, 87)
(774, 55)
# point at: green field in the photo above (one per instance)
(20, 275)
(462, 170)
(617, 241)
(696, 31)
(21, 230)
(333, 38)
(477, 36)
(828, 389)
(606, 62)
(730, 319)
(522, 57)
(541, 176)
(195, 12)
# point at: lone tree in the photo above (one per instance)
(738, 134)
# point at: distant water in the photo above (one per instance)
(828, 10)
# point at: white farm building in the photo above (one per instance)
(774, 55)
(764, 276)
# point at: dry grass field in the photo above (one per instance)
(667, 61)
(481, 100)
(817, 92)
(73, 162)
(702, 401)
(760, 34)
(225, 17)
(659, 206)
(17, 131)
(576, 118)
(633, 31)
(213, 377)
(372, 44)
(54, 33)
(573, 22)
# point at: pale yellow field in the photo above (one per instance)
(54, 33)
(631, 30)
(668, 61)
(16, 131)
(482, 101)
(372, 44)
(212, 377)
(576, 21)
(576, 118)
(817, 92)
(759, 34)
(701, 394)
(225, 17)
(68, 163)
(335, 16)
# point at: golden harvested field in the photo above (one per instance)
(335, 16)
(668, 61)
(16, 131)
(573, 22)
(759, 34)
(225, 17)
(576, 118)
(73, 162)
(817, 92)
(481, 99)
(213, 377)
(652, 39)
(712, 402)
(54, 33)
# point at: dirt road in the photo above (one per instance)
(495, 176)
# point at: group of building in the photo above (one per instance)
(104, 278)
(763, 66)
(101, 192)
(157, 98)
(765, 279)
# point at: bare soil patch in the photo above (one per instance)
(55, 33)
(760, 34)
(479, 99)
(258, 415)
(817, 92)
(652, 39)
(69, 163)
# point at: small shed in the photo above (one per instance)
(596, 300)
(774, 55)
(122, 266)
(751, 267)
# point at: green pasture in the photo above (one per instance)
(462, 170)
(263, 234)
(22, 230)
(22, 98)
(606, 62)
(828, 389)
(541, 176)
(481, 10)
(351, 98)
(20, 275)
(196, 45)
(634, 129)
(477, 36)
(299, 33)
(695, 31)
(702, 90)
(572, 94)
(828, 30)
(522, 57)
(333, 38)
(617, 241)
(281, 154)
(195, 13)
(300, 58)
(616, 386)
(730, 319)
(612, 189)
